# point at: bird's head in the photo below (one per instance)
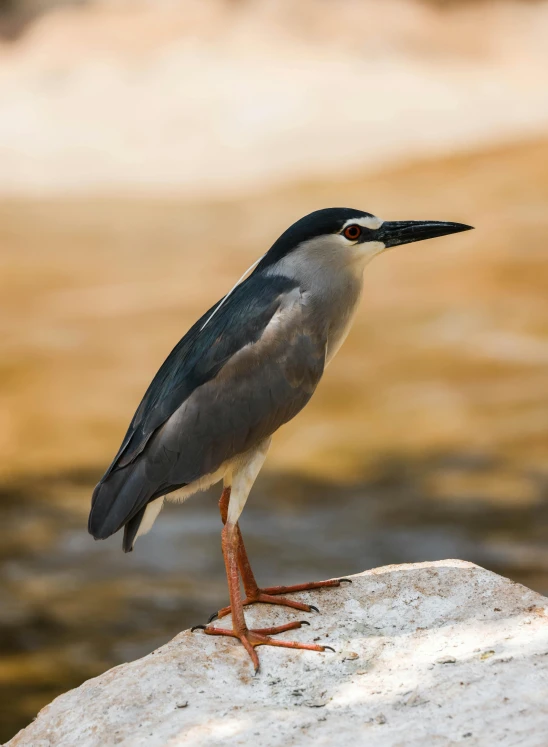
(351, 236)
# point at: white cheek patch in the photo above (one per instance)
(367, 221)
(373, 247)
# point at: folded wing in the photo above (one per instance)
(222, 390)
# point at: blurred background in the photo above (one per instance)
(149, 152)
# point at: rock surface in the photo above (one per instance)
(426, 654)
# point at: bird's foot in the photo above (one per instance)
(250, 639)
(270, 595)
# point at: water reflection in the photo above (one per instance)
(73, 607)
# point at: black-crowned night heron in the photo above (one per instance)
(248, 366)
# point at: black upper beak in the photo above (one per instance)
(393, 233)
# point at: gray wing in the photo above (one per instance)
(201, 354)
(262, 386)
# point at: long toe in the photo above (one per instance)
(272, 595)
(254, 637)
(266, 599)
(310, 586)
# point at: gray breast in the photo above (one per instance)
(331, 287)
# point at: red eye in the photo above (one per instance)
(352, 232)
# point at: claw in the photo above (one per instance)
(197, 627)
(329, 647)
(347, 580)
(304, 622)
(312, 607)
(212, 617)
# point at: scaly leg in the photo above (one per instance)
(270, 594)
(249, 638)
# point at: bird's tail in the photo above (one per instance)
(118, 498)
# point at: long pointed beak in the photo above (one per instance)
(393, 233)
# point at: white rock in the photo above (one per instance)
(427, 654)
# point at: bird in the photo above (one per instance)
(248, 366)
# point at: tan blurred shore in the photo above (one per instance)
(449, 350)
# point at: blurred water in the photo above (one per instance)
(73, 607)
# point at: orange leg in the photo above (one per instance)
(249, 638)
(270, 594)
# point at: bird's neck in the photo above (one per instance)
(331, 291)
